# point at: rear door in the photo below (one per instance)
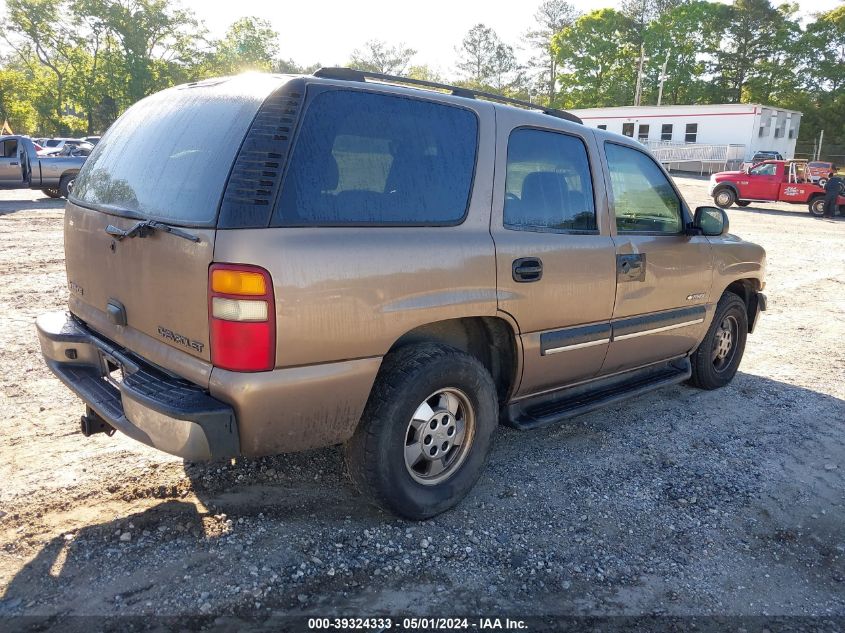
(663, 276)
(167, 159)
(554, 253)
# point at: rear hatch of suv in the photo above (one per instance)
(165, 162)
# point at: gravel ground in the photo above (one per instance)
(680, 502)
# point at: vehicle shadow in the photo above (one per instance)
(272, 505)
(13, 206)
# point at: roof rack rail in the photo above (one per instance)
(353, 74)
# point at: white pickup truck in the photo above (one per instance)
(22, 168)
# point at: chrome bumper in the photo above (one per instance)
(137, 399)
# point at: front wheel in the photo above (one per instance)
(817, 207)
(426, 430)
(724, 197)
(715, 362)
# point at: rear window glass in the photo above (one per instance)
(366, 158)
(168, 157)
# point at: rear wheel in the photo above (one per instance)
(743, 203)
(724, 197)
(817, 207)
(52, 193)
(424, 437)
(715, 362)
(66, 185)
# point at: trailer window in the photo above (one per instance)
(642, 133)
(692, 133)
(628, 129)
(666, 132)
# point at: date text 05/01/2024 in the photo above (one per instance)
(411, 624)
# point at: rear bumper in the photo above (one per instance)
(148, 405)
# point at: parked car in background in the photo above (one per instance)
(91, 139)
(55, 145)
(83, 149)
(818, 170)
(21, 167)
(410, 267)
(759, 157)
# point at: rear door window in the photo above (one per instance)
(548, 184)
(364, 158)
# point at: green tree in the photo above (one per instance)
(597, 55)
(379, 57)
(757, 37)
(551, 17)
(250, 43)
(685, 38)
(477, 53)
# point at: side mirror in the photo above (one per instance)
(711, 221)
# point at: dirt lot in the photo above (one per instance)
(681, 502)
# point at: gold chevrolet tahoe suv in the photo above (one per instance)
(262, 264)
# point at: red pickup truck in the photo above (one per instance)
(769, 181)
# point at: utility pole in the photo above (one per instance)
(662, 79)
(821, 138)
(639, 92)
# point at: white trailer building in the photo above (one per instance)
(693, 136)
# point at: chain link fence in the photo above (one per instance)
(832, 152)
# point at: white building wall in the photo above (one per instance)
(756, 126)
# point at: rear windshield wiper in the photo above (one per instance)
(145, 227)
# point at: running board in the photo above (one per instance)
(550, 408)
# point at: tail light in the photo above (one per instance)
(241, 314)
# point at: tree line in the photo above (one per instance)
(75, 65)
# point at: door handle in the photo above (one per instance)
(527, 269)
(14, 163)
(630, 267)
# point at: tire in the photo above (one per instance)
(816, 207)
(393, 426)
(715, 362)
(66, 184)
(743, 203)
(52, 193)
(724, 197)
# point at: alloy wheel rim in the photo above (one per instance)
(439, 436)
(723, 198)
(724, 343)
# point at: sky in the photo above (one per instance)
(327, 31)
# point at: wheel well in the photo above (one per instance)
(726, 185)
(491, 340)
(745, 289)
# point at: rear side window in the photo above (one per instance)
(548, 184)
(643, 198)
(375, 159)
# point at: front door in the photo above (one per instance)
(11, 173)
(663, 276)
(763, 183)
(554, 254)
